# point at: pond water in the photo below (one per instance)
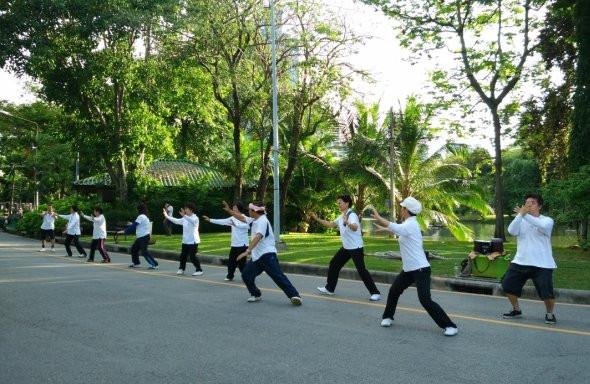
(562, 235)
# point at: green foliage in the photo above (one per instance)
(521, 176)
(579, 139)
(567, 199)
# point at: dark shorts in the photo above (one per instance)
(48, 234)
(517, 275)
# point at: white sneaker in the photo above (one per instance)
(52, 250)
(155, 268)
(254, 299)
(198, 273)
(227, 279)
(296, 301)
(450, 331)
(42, 250)
(82, 256)
(375, 297)
(180, 272)
(134, 265)
(324, 291)
(387, 322)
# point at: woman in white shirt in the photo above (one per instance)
(264, 255)
(48, 228)
(141, 226)
(415, 267)
(190, 237)
(239, 239)
(349, 225)
(72, 232)
(99, 234)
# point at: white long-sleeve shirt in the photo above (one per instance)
(533, 241)
(410, 244)
(99, 226)
(190, 228)
(350, 239)
(267, 242)
(48, 221)
(73, 226)
(239, 230)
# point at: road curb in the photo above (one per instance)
(485, 287)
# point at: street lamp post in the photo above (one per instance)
(275, 129)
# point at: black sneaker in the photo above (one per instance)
(514, 314)
(550, 319)
(90, 260)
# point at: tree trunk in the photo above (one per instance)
(499, 187)
(264, 172)
(118, 175)
(291, 164)
(238, 179)
(360, 200)
(584, 231)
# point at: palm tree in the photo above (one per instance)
(439, 179)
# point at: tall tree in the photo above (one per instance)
(222, 38)
(84, 53)
(579, 141)
(494, 39)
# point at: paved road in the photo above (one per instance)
(66, 321)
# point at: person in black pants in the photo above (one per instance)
(352, 248)
(190, 237)
(72, 232)
(142, 228)
(416, 268)
(239, 239)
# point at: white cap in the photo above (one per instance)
(412, 205)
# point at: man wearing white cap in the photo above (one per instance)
(415, 269)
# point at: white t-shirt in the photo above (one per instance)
(239, 230)
(410, 244)
(143, 226)
(350, 239)
(190, 228)
(73, 226)
(48, 221)
(533, 241)
(99, 226)
(266, 243)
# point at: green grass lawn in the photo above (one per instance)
(573, 271)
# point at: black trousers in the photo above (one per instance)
(98, 244)
(141, 245)
(189, 250)
(234, 252)
(422, 279)
(358, 258)
(73, 239)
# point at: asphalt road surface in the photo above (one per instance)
(63, 320)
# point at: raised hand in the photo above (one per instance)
(206, 218)
(379, 228)
(164, 212)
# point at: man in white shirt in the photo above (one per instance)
(48, 228)
(533, 259)
(142, 228)
(349, 225)
(190, 237)
(415, 267)
(72, 232)
(264, 255)
(170, 212)
(239, 239)
(99, 234)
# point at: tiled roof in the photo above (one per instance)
(170, 173)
